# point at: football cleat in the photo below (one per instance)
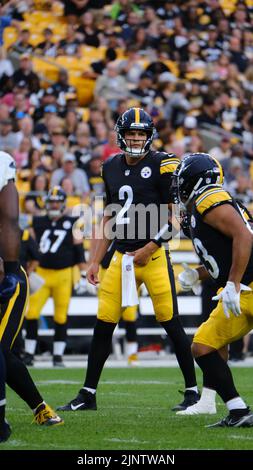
(190, 398)
(132, 360)
(5, 431)
(58, 362)
(45, 416)
(84, 401)
(233, 421)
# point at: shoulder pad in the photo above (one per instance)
(211, 198)
(168, 163)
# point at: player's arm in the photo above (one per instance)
(101, 246)
(9, 228)
(227, 220)
(9, 241)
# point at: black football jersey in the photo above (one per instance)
(55, 241)
(137, 197)
(213, 247)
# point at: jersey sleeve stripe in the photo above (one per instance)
(168, 168)
(212, 199)
(208, 193)
(168, 161)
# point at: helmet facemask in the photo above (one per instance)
(130, 145)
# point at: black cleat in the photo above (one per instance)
(190, 398)
(28, 359)
(84, 401)
(5, 431)
(58, 362)
(233, 421)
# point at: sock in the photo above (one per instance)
(182, 348)
(219, 374)
(19, 379)
(208, 396)
(42, 403)
(99, 352)
(91, 390)
(60, 332)
(131, 348)
(59, 348)
(30, 346)
(236, 404)
(131, 334)
(194, 389)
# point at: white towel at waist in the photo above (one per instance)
(128, 284)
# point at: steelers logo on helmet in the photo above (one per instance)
(135, 119)
(56, 202)
(193, 174)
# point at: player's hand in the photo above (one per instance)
(141, 256)
(92, 274)
(230, 298)
(189, 279)
(8, 287)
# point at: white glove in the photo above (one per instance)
(81, 286)
(91, 289)
(231, 298)
(189, 280)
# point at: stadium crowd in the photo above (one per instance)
(68, 69)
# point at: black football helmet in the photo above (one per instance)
(135, 119)
(195, 171)
(56, 194)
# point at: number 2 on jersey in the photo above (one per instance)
(124, 191)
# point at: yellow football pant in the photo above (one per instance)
(218, 330)
(158, 277)
(58, 285)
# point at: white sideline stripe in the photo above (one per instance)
(118, 332)
(178, 257)
(87, 306)
(106, 382)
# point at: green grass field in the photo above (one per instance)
(133, 413)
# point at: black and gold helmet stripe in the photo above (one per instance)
(137, 115)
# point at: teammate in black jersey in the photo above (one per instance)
(13, 299)
(59, 252)
(136, 176)
(222, 238)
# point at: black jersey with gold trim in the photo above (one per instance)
(55, 241)
(214, 248)
(135, 191)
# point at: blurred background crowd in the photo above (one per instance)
(69, 68)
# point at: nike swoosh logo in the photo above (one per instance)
(75, 407)
(153, 259)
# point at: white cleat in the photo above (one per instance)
(198, 409)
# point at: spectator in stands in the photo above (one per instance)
(35, 199)
(8, 138)
(24, 72)
(73, 9)
(87, 33)
(20, 154)
(70, 45)
(222, 150)
(6, 69)
(96, 181)
(22, 45)
(97, 68)
(77, 176)
(111, 85)
(46, 47)
(110, 148)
